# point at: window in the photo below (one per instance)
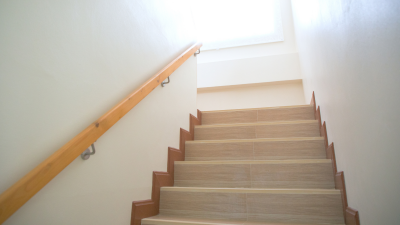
(229, 23)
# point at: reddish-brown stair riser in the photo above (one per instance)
(330, 154)
(351, 215)
(160, 179)
(142, 209)
(339, 184)
(173, 155)
(150, 207)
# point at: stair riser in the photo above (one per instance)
(279, 208)
(312, 175)
(259, 115)
(258, 131)
(272, 150)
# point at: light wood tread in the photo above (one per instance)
(304, 112)
(253, 148)
(264, 108)
(286, 161)
(167, 220)
(256, 140)
(259, 123)
(253, 190)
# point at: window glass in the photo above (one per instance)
(229, 23)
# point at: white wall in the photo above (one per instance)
(249, 71)
(63, 65)
(350, 54)
(232, 66)
(259, 95)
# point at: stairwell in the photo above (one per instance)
(253, 166)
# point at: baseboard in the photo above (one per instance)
(351, 215)
(147, 208)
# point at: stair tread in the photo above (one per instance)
(299, 174)
(284, 161)
(253, 190)
(251, 165)
(289, 113)
(280, 129)
(256, 149)
(263, 108)
(166, 220)
(257, 123)
(257, 140)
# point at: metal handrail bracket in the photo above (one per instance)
(196, 53)
(87, 153)
(164, 83)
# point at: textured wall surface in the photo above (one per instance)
(349, 54)
(63, 64)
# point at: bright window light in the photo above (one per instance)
(229, 23)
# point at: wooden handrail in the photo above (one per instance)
(19, 193)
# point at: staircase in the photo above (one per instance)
(253, 166)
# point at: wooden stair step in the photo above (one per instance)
(253, 205)
(257, 149)
(166, 220)
(310, 173)
(281, 129)
(282, 113)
